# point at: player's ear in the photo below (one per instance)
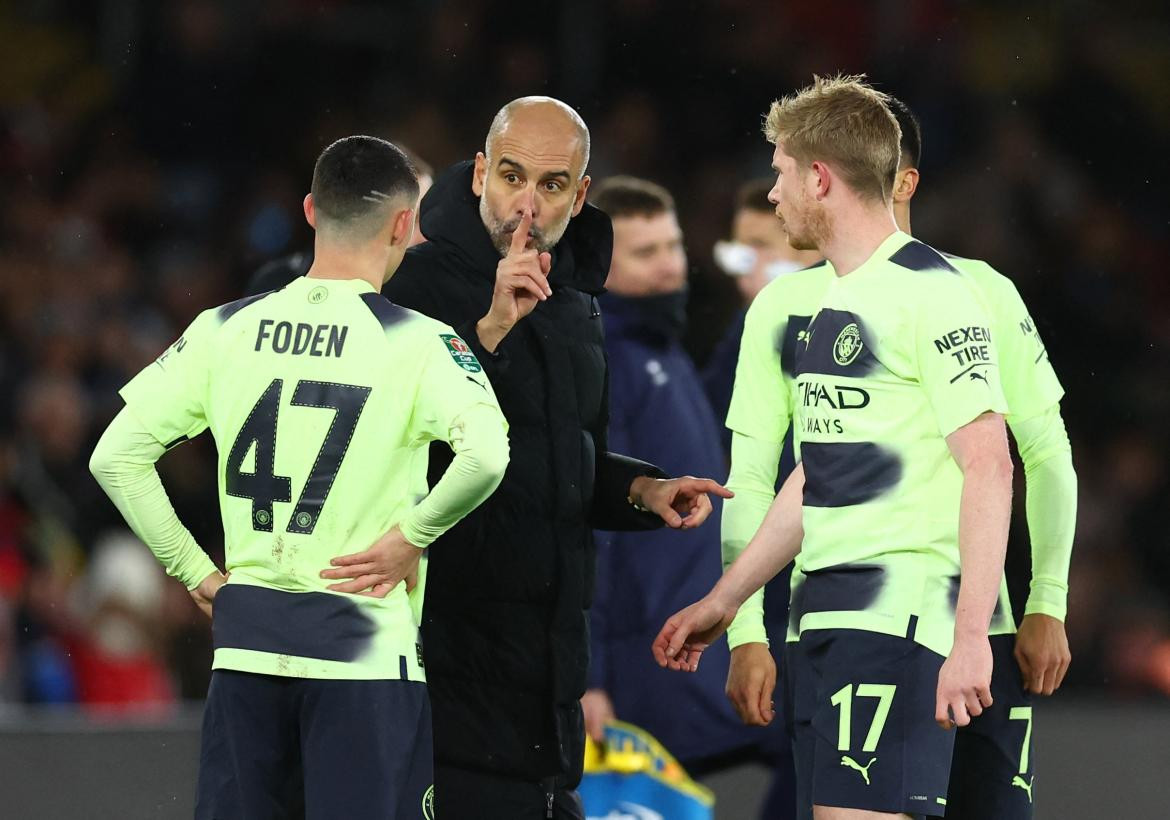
(310, 212)
(579, 199)
(403, 230)
(905, 184)
(480, 172)
(820, 179)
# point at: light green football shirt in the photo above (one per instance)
(900, 355)
(322, 398)
(762, 403)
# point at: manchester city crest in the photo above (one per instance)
(428, 803)
(848, 345)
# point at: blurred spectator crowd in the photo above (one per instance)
(153, 155)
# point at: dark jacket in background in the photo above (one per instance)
(659, 412)
(276, 274)
(719, 374)
(504, 624)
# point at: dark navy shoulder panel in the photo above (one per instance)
(386, 312)
(791, 344)
(229, 310)
(839, 344)
(917, 256)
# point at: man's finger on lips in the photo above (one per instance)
(520, 235)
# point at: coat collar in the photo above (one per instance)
(449, 216)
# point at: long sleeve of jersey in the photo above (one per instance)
(124, 465)
(754, 465)
(1051, 508)
(479, 438)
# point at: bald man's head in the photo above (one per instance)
(534, 160)
(545, 117)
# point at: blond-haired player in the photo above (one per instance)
(903, 493)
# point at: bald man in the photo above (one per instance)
(515, 262)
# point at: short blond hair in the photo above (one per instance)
(845, 123)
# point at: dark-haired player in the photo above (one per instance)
(323, 398)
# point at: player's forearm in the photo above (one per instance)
(123, 464)
(771, 549)
(480, 440)
(1051, 505)
(754, 464)
(984, 515)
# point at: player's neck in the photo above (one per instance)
(332, 261)
(855, 236)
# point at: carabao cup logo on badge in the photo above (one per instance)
(848, 345)
(428, 804)
(461, 353)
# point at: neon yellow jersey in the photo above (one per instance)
(322, 398)
(900, 355)
(763, 399)
(762, 403)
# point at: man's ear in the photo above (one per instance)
(310, 212)
(822, 179)
(479, 174)
(905, 184)
(579, 199)
(403, 230)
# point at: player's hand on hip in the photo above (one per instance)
(377, 570)
(964, 682)
(204, 594)
(1042, 653)
(682, 503)
(751, 682)
(521, 282)
(598, 710)
(688, 632)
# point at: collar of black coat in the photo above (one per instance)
(449, 215)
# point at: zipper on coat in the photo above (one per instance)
(550, 788)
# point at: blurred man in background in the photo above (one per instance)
(757, 253)
(515, 260)
(659, 413)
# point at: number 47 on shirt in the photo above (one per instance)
(262, 485)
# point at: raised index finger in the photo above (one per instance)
(520, 235)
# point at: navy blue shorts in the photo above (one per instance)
(991, 772)
(863, 728)
(276, 748)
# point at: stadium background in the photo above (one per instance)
(152, 155)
